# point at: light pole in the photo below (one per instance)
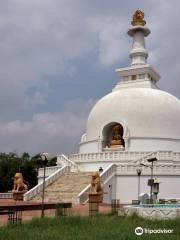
(44, 158)
(151, 180)
(100, 170)
(151, 160)
(139, 171)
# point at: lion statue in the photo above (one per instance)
(19, 183)
(96, 186)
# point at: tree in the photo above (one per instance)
(10, 163)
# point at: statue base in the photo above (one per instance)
(18, 195)
(95, 197)
(94, 200)
(116, 142)
(117, 146)
(114, 148)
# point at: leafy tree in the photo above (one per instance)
(10, 163)
(29, 170)
(52, 162)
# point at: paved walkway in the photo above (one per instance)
(76, 210)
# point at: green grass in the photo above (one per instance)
(106, 227)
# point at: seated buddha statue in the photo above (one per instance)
(117, 139)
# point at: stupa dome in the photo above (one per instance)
(150, 119)
(143, 112)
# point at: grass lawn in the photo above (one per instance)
(106, 227)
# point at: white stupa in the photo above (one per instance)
(135, 122)
(149, 126)
(150, 117)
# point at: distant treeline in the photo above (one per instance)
(10, 163)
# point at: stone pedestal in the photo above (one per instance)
(115, 148)
(18, 195)
(94, 200)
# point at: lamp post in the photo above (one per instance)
(44, 158)
(151, 160)
(139, 171)
(100, 170)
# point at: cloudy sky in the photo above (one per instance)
(57, 57)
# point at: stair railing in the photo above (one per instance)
(39, 187)
(106, 175)
(65, 161)
(49, 171)
(142, 159)
(6, 195)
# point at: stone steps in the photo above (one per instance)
(66, 188)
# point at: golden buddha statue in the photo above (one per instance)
(117, 139)
(138, 18)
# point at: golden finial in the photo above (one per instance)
(138, 18)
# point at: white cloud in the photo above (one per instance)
(42, 37)
(163, 43)
(38, 38)
(53, 132)
(46, 38)
(112, 43)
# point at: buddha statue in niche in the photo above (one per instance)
(117, 133)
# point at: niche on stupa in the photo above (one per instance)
(113, 136)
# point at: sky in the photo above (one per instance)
(58, 57)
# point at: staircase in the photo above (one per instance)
(66, 188)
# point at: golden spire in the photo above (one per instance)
(138, 18)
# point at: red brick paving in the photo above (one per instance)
(76, 210)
